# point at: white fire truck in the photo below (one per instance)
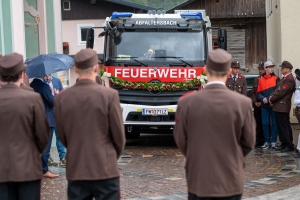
(152, 60)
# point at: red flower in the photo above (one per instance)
(191, 86)
(178, 87)
(149, 88)
(110, 80)
(197, 82)
(132, 85)
(116, 83)
(138, 86)
(168, 87)
(174, 87)
(155, 88)
(143, 86)
(164, 86)
(122, 85)
(126, 86)
(184, 86)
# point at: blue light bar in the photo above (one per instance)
(195, 15)
(121, 14)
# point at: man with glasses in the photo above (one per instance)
(266, 86)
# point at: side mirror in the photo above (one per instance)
(90, 38)
(222, 39)
(118, 40)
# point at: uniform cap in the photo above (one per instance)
(268, 64)
(297, 72)
(235, 64)
(86, 58)
(261, 65)
(12, 64)
(286, 64)
(218, 60)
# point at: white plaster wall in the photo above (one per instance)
(18, 27)
(290, 31)
(58, 24)
(282, 34)
(273, 33)
(69, 34)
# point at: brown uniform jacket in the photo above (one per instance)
(240, 85)
(89, 123)
(281, 97)
(25, 87)
(254, 96)
(24, 134)
(215, 138)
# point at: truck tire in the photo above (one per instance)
(132, 135)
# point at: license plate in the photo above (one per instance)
(150, 111)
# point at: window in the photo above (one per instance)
(66, 5)
(81, 33)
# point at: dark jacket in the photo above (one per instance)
(281, 97)
(240, 85)
(266, 86)
(44, 90)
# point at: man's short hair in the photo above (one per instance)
(86, 71)
(218, 74)
(10, 77)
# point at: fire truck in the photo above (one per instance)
(152, 60)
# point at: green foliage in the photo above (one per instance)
(158, 4)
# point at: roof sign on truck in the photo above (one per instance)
(158, 22)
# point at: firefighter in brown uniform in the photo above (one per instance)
(281, 101)
(24, 133)
(260, 139)
(236, 81)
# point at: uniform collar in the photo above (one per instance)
(85, 81)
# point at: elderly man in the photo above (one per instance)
(215, 171)
(24, 133)
(92, 132)
(281, 100)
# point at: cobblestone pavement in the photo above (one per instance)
(153, 168)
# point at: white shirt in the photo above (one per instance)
(297, 97)
(215, 82)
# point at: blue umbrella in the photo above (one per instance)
(48, 64)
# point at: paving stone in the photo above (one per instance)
(154, 169)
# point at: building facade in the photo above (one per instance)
(31, 28)
(245, 22)
(282, 33)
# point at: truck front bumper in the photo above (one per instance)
(132, 115)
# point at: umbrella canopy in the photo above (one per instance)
(48, 64)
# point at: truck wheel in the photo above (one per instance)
(132, 135)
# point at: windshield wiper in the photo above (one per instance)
(178, 58)
(131, 58)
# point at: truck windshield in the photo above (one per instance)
(156, 47)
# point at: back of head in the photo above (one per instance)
(218, 61)
(86, 58)
(11, 66)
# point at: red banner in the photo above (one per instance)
(146, 74)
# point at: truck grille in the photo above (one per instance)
(141, 97)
